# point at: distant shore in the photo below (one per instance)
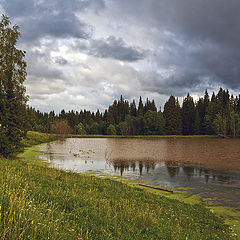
(140, 136)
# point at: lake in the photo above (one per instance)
(209, 167)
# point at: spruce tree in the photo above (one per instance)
(197, 123)
(238, 104)
(133, 109)
(152, 106)
(115, 112)
(188, 116)
(146, 106)
(172, 116)
(121, 110)
(140, 107)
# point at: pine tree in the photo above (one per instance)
(110, 116)
(146, 106)
(203, 113)
(115, 112)
(188, 115)
(197, 123)
(121, 109)
(62, 114)
(133, 109)
(98, 116)
(140, 107)
(238, 104)
(172, 116)
(152, 106)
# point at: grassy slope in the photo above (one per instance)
(229, 215)
(34, 138)
(38, 202)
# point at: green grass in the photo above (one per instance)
(39, 202)
(230, 215)
(34, 138)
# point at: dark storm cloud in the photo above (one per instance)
(222, 65)
(177, 84)
(55, 18)
(209, 32)
(112, 47)
(200, 19)
(62, 25)
(115, 48)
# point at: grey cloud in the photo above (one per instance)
(222, 65)
(61, 61)
(193, 45)
(55, 18)
(43, 87)
(115, 48)
(215, 19)
(209, 28)
(40, 65)
(170, 85)
(207, 61)
(16, 8)
(59, 26)
(112, 47)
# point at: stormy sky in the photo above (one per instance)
(86, 53)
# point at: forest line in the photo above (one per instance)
(215, 115)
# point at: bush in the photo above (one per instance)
(111, 130)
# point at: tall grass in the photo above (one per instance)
(38, 202)
(46, 203)
(34, 138)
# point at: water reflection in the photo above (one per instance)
(125, 165)
(143, 156)
(173, 169)
(206, 166)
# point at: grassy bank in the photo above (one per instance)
(228, 214)
(38, 202)
(34, 138)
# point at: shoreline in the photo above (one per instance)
(141, 136)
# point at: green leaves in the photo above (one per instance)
(12, 95)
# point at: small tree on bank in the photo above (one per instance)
(12, 91)
(111, 130)
(61, 127)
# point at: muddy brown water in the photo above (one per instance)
(208, 167)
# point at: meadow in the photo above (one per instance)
(40, 202)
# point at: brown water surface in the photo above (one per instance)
(207, 166)
(211, 153)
